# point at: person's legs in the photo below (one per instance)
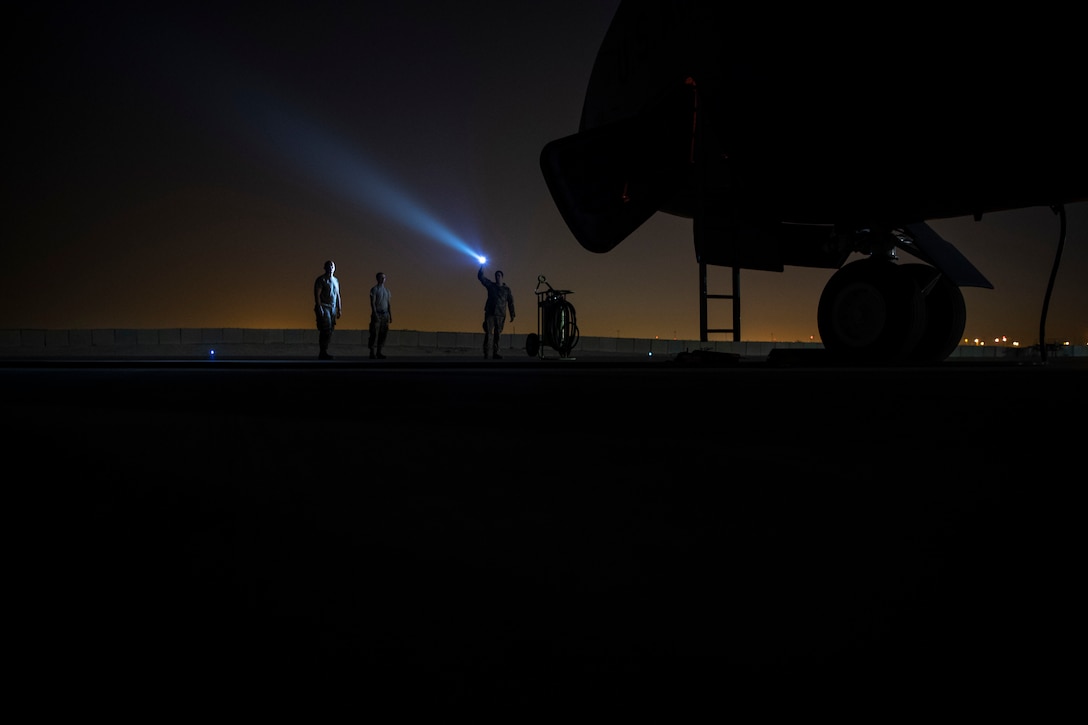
(328, 338)
(487, 334)
(373, 335)
(496, 336)
(383, 332)
(325, 323)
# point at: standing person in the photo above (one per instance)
(499, 299)
(327, 307)
(381, 314)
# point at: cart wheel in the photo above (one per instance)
(532, 344)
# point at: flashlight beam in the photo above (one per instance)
(332, 164)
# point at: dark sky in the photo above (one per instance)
(193, 164)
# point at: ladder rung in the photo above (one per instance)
(733, 297)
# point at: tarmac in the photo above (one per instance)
(532, 536)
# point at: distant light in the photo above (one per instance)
(650, 353)
(212, 353)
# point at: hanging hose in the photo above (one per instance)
(1060, 211)
(561, 328)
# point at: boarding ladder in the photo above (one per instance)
(734, 297)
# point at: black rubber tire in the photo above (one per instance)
(871, 311)
(946, 314)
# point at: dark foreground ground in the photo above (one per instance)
(542, 537)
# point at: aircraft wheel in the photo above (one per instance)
(532, 344)
(946, 314)
(871, 311)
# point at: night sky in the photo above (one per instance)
(194, 164)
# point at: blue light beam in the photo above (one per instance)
(348, 175)
(252, 109)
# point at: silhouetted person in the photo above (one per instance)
(499, 299)
(327, 307)
(381, 314)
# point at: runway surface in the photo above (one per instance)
(538, 534)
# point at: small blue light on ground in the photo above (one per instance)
(650, 353)
(212, 353)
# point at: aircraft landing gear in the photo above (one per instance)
(875, 311)
(946, 314)
(555, 322)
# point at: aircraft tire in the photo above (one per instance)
(946, 315)
(532, 344)
(871, 311)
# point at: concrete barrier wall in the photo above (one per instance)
(302, 343)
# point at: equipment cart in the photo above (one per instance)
(556, 325)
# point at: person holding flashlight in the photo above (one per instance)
(499, 300)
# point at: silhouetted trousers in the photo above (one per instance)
(326, 322)
(493, 325)
(379, 330)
